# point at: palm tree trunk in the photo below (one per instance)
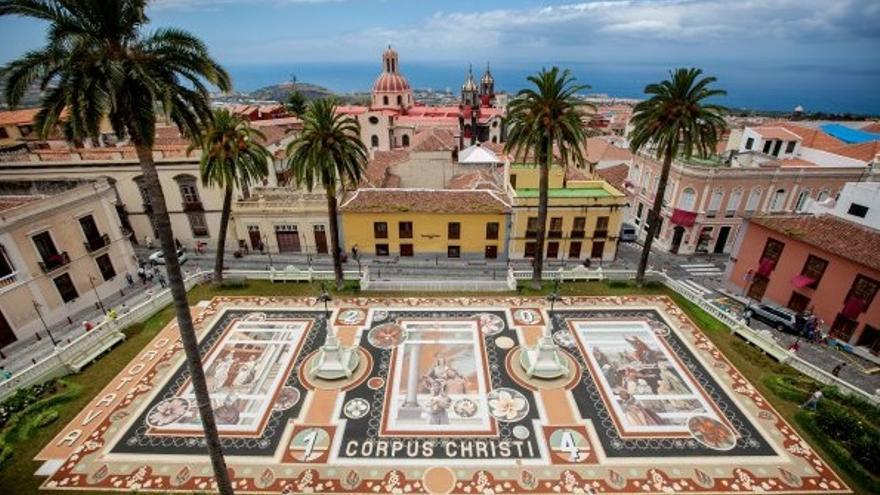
(653, 218)
(543, 186)
(221, 241)
(334, 238)
(184, 319)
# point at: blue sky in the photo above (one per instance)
(819, 38)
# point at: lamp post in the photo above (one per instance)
(268, 250)
(97, 296)
(554, 296)
(37, 307)
(325, 298)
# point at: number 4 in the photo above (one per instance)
(567, 445)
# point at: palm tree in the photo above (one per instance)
(544, 121)
(675, 121)
(329, 150)
(232, 156)
(98, 62)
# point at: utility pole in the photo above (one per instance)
(37, 307)
(97, 296)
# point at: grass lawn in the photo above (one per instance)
(17, 472)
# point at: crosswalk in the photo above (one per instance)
(703, 270)
(696, 287)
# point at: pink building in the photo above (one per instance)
(818, 263)
(771, 169)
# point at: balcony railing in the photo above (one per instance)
(577, 234)
(8, 279)
(531, 234)
(554, 234)
(600, 234)
(54, 262)
(193, 206)
(97, 243)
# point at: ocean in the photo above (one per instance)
(780, 88)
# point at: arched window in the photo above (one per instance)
(405, 140)
(754, 197)
(374, 141)
(494, 139)
(399, 100)
(778, 200)
(384, 100)
(189, 191)
(823, 195)
(715, 200)
(687, 199)
(801, 200)
(373, 120)
(634, 174)
(733, 202)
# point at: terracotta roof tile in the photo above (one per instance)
(475, 179)
(615, 175)
(434, 139)
(446, 201)
(871, 127)
(599, 149)
(377, 172)
(862, 151)
(848, 240)
(813, 138)
(15, 117)
(776, 132)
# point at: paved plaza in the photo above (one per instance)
(439, 402)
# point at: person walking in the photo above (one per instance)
(161, 278)
(813, 401)
(130, 280)
(836, 370)
(87, 326)
(795, 346)
(5, 374)
(142, 274)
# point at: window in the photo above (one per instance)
(749, 143)
(532, 227)
(406, 250)
(453, 251)
(374, 120)
(25, 130)
(767, 146)
(453, 230)
(814, 268)
(6, 268)
(773, 249)
(555, 228)
(3, 133)
(714, 202)
(374, 141)
(65, 287)
(380, 230)
(405, 140)
(687, 199)
(754, 198)
(492, 230)
(384, 100)
(598, 249)
(857, 210)
(789, 148)
(381, 249)
(45, 247)
(530, 250)
(778, 200)
(733, 203)
(823, 195)
(639, 210)
(578, 226)
(513, 181)
(574, 250)
(801, 200)
(105, 266)
(601, 231)
(491, 252)
(197, 223)
(405, 230)
(399, 100)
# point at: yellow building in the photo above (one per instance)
(426, 222)
(583, 216)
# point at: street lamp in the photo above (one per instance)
(554, 296)
(37, 307)
(268, 250)
(325, 298)
(97, 296)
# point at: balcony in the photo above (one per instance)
(531, 234)
(600, 234)
(97, 243)
(577, 234)
(193, 206)
(8, 279)
(54, 262)
(554, 234)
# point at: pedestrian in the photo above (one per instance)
(130, 280)
(142, 274)
(747, 316)
(813, 401)
(87, 326)
(161, 278)
(5, 374)
(795, 346)
(148, 242)
(149, 293)
(354, 252)
(836, 370)
(177, 244)
(149, 273)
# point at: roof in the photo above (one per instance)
(446, 201)
(850, 135)
(16, 117)
(390, 82)
(834, 235)
(582, 192)
(601, 149)
(774, 132)
(475, 179)
(10, 202)
(615, 175)
(477, 154)
(434, 139)
(871, 127)
(865, 152)
(377, 174)
(813, 138)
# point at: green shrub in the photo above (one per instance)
(866, 450)
(5, 453)
(837, 423)
(45, 417)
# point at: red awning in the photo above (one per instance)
(802, 281)
(766, 266)
(853, 307)
(683, 217)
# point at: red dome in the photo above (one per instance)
(390, 82)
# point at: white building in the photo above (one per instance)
(858, 202)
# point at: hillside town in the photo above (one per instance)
(434, 277)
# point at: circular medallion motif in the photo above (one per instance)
(309, 444)
(504, 342)
(659, 329)
(564, 338)
(380, 315)
(711, 433)
(386, 336)
(351, 316)
(376, 382)
(465, 408)
(491, 324)
(527, 316)
(520, 432)
(569, 445)
(356, 408)
(507, 404)
(167, 412)
(287, 398)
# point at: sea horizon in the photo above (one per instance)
(779, 89)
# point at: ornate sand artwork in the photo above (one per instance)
(439, 403)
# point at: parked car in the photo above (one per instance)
(158, 257)
(782, 319)
(628, 233)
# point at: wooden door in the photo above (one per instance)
(552, 250)
(288, 241)
(320, 239)
(7, 336)
(758, 287)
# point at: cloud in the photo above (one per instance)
(193, 4)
